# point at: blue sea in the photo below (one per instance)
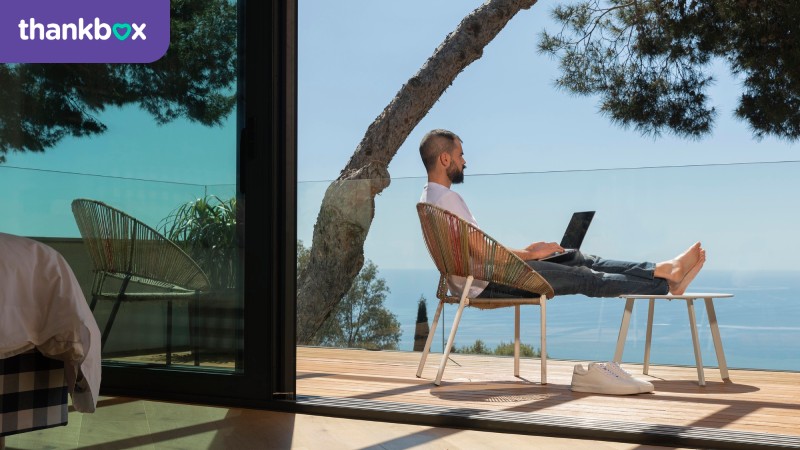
(760, 325)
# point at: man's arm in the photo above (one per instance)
(455, 204)
(537, 250)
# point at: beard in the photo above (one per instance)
(455, 174)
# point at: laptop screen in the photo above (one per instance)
(576, 230)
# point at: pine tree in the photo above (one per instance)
(422, 328)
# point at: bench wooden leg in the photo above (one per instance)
(701, 380)
(712, 321)
(623, 330)
(516, 340)
(649, 338)
(543, 339)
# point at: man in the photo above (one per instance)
(593, 276)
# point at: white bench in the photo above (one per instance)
(690, 298)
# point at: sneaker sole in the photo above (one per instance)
(626, 390)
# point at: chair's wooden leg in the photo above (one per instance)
(623, 330)
(649, 338)
(698, 358)
(543, 326)
(516, 340)
(712, 321)
(429, 341)
(453, 329)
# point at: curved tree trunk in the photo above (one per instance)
(337, 250)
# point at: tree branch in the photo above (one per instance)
(337, 251)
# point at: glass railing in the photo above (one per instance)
(40, 200)
(739, 212)
(206, 333)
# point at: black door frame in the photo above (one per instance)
(266, 199)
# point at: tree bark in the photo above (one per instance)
(337, 250)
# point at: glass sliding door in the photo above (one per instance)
(156, 142)
(160, 148)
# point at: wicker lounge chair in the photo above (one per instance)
(123, 248)
(458, 248)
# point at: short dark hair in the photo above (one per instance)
(434, 143)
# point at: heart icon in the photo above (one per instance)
(121, 26)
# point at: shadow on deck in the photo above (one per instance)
(753, 409)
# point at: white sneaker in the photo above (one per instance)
(598, 379)
(644, 386)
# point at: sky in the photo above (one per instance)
(353, 57)
(137, 166)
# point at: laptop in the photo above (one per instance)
(573, 236)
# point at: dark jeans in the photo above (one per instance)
(591, 276)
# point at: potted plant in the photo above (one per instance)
(206, 229)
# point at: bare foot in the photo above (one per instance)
(675, 270)
(680, 287)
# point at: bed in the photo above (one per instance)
(49, 340)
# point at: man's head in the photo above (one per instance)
(443, 156)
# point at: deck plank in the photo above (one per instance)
(753, 400)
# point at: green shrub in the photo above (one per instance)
(507, 349)
(478, 348)
(502, 349)
(206, 229)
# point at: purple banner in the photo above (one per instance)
(83, 31)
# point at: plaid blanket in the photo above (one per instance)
(42, 305)
(33, 393)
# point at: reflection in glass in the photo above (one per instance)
(156, 141)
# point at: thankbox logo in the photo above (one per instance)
(84, 31)
(32, 30)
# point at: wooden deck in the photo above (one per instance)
(753, 401)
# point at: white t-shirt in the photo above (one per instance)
(445, 198)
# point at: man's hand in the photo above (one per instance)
(539, 250)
